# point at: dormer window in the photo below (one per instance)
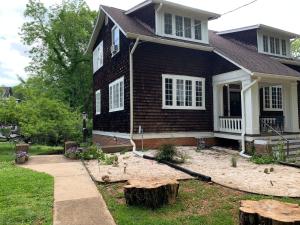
(273, 45)
(182, 27)
(283, 46)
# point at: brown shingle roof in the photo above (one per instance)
(249, 58)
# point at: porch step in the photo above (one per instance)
(116, 148)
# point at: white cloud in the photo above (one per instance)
(281, 14)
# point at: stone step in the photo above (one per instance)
(291, 141)
(116, 148)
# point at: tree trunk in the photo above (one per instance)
(151, 193)
(269, 212)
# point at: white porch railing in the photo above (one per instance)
(231, 124)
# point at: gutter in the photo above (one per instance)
(242, 153)
(131, 95)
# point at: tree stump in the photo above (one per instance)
(22, 148)
(151, 193)
(269, 212)
(70, 144)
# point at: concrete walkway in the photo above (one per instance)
(76, 198)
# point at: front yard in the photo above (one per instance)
(26, 197)
(197, 203)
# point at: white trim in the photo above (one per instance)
(230, 77)
(98, 110)
(262, 26)
(233, 62)
(270, 108)
(171, 42)
(111, 103)
(112, 19)
(156, 135)
(98, 57)
(183, 77)
(276, 76)
(112, 134)
(211, 15)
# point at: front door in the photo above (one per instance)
(235, 104)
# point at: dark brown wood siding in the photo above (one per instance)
(153, 60)
(248, 37)
(146, 15)
(113, 68)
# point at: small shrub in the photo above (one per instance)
(266, 171)
(166, 152)
(234, 162)
(111, 160)
(21, 157)
(262, 159)
(279, 152)
(73, 153)
(92, 152)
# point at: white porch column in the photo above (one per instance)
(290, 103)
(251, 113)
(218, 105)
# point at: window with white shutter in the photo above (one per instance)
(98, 57)
(98, 102)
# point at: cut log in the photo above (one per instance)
(151, 193)
(269, 212)
(22, 148)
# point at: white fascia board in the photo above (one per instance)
(211, 15)
(97, 28)
(170, 42)
(231, 77)
(276, 76)
(233, 62)
(288, 61)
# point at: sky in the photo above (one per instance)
(14, 55)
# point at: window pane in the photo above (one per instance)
(272, 45)
(187, 27)
(266, 43)
(283, 47)
(199, 95)
(267, 97)
(198, 32)
(277, 46)
(110, 97)
(168, 92)
(188, 93)
(279, 97)
(116, 36)
(121, 94)
(179, 26)
(168, 23)
(180, 92)
(274, 98)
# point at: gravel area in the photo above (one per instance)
(247, 176)
(136, 168)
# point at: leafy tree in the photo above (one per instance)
(296, 48)
(58, 37)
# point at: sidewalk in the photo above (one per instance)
(76, 198)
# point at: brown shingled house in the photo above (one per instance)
(159, 68)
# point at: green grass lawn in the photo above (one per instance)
(26, 197)
(197, 203)
(7, 150)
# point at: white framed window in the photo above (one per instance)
(283, 47)
(115, 42)
(266, 43)
(98, 57)
(116, 95)
(272, 45)
(98, 102)
(183, 92)
(272, 97)
(182, 27)
(277, 46)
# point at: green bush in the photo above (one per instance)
(262, 159)
(92, 152)
(166, 152)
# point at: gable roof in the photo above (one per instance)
(210, 15)
(235, 52)
(260, 26)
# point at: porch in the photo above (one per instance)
(255, 105)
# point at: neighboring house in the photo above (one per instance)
(6, 92)
(159, 67)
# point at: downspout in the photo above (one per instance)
(131, 96)
(242, 153)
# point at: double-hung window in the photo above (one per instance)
(277, 46)
(98, 102)
(183, 92)
(266, 43)
(283, 47)
(272, 45)
(168, 24)
(115, 35)
(98, 57)
(116, 95)
(198, 30)
(272, 98)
